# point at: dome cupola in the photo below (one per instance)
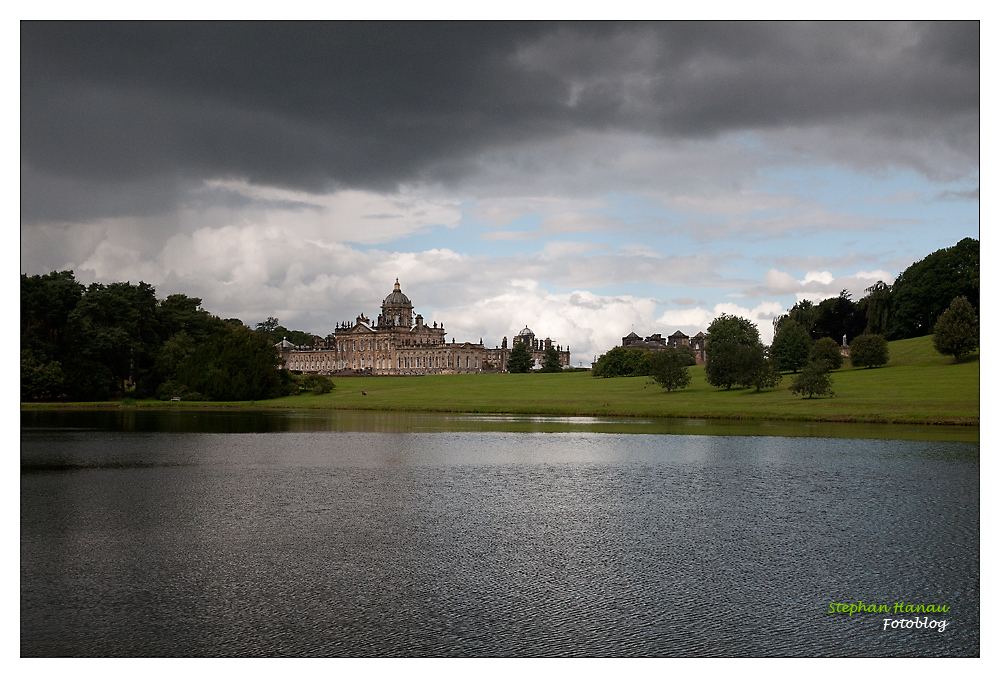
(397, 311)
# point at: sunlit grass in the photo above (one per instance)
(917, 386)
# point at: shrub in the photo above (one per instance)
(317, 383)
(869, 350)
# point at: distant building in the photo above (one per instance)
(536, 347)
(400, 344)
(655, 342)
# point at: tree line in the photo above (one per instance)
(907, 308)
(938, 294)
(102, 342)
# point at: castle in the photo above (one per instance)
(655, 342)
(399, 344)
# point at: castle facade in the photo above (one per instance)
(400, 344)
(655, 342)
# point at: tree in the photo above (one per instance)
(764, 373)
(181, 313)
(839, 316)
(923, 291)
(827, 351)
(732, 352)
(869, 350)
(669, 368)
(731, 328)
(877, 308)
(40, 380)
(688, 354)
(957, 330)
(239, 365)
(277, 332)
(46, 303)
(623, 362)
(114, 335)
(519, 360)
(804, 313)
(733, 364)
(551, 362)
(790, 348)
(814, 380)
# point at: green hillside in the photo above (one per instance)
(917, 386)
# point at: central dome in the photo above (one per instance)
(525, 332)
(396, 297)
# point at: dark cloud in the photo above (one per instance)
(113, 115)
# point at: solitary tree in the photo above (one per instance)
(732, 352)
(790, 348)
(551, 362)
(669, 368)
(519, 359)
(764, 373)
(869, 350)
(814, 381)
(827, 351)
(957, 330)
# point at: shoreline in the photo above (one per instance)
(252, 406)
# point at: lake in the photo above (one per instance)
(215, 533)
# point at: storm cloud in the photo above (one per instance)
(122, 112)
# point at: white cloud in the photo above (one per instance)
(817, 285)
(694, 320)
(590, 324)
(822, 277)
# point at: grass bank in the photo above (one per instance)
(918, 386)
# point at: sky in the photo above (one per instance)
(585, 180)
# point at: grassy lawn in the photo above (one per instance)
(917, 386)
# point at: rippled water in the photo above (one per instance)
(491, 543)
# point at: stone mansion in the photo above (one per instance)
(399, 344)
(656, 342)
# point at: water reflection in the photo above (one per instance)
(278, 421)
